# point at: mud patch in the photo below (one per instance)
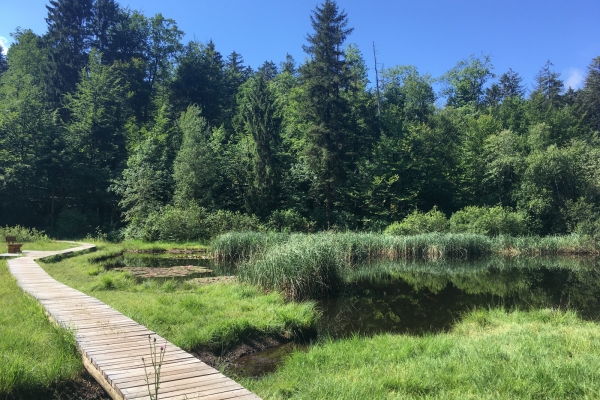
(224, 359)
(165, 272)
(216, 279)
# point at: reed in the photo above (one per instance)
(310, 265)
(305, 266)
(241, 245)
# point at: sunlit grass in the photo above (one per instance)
(212, 316)
(489, 355)
(34, 354)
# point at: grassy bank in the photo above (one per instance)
(34, 354)
(489, 355)
(214, 316)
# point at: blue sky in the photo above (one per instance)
(432, 35)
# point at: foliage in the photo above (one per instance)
(23, 234)
(490, 221)
(191, 223)
(287, 221)
(418, 222)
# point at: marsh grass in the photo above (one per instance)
(234, 246)
(305, 266)
(490, 354)
(34, 354)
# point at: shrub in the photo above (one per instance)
(583, 217)
(191, 223)
(24, 234)
(490, 221)
(287, 221)
(418, 222)
(224, 221)
(177, 224)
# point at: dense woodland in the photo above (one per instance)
(109, 123)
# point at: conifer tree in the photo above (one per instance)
(324, 79)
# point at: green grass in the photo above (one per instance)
(241, 245)
(214, 316)
(34, 354)
(40, 245)
(141, 246)
(542, 354)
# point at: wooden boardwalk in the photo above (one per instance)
(112, 345)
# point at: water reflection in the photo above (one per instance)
(416, 297)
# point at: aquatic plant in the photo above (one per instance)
(239, 245)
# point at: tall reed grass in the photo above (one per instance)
(241, 245)
(308, 265)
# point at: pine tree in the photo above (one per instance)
(69, 38)
(324, 79)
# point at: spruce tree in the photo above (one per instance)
(324, 79)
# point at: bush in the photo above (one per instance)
(179, 224)
(583, 217)
(287, 221)
(191, 223)
(226, 221)
(24, 234)
(488, 221)
(418, 222)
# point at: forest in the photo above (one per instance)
(111, 126)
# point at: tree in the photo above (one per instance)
(260, 124)
(547, 85)
(464, 84)
(69, 38)
(31, 148)
(591, 93)
(197, 170)
(324, 77)
(511, 84)
(3, 62)
(163, 48)
(199, 79)
(268, 69)
(146, 184)
(96, 137)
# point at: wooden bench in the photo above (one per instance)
(13, 247)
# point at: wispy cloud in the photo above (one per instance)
(4, 43)
(574, 79)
